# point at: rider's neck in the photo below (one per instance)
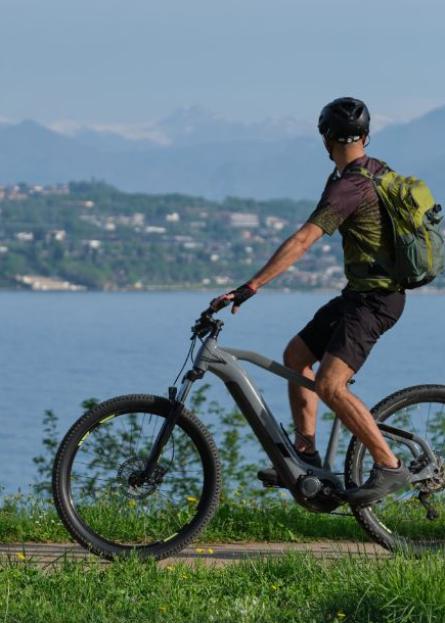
(343, 155)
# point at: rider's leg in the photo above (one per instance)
(303, 402)
(303, 406)
(331, 385)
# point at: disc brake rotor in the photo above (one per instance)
(134, 466)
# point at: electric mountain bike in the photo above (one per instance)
(140, 473)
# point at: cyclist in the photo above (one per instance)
(342, 333)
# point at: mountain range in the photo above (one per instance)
(196, 152)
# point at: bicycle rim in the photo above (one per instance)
(105, 504)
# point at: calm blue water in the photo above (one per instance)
(57, 349)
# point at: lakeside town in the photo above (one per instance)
(90, 236)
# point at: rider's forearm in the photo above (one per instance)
(287, 254)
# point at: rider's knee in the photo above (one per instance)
(330, 390)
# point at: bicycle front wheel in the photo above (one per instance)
(400, 521)
(95, 494)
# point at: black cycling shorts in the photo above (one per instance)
(349, 325)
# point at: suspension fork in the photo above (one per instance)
(177, 405)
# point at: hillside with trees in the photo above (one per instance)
(90, 234)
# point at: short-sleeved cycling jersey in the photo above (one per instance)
(350, 204)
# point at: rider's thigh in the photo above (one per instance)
(297, 355)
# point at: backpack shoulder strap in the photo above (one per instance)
(358, 170)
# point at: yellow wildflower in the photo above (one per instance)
(204, 550)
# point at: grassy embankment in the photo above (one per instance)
(292, 589)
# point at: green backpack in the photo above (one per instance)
(419, 254)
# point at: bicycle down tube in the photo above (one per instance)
(223, 363)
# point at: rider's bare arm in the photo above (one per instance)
(287, 254)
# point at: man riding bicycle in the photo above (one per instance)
(342, 333)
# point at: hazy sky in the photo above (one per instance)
(135, 60)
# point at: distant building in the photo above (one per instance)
(58, 189)
(37, 282)
(275, 223)
(58, 235)
(16, 194)
(153, 229)
(94, 244)
(25, 236)
(172, 218)
(222, 281)
(138, 219)
(192, 245)
(243, 219)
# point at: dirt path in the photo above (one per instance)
(49, 554)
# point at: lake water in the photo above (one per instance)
(56, 349)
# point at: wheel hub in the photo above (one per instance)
(129, 477)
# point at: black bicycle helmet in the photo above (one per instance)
(345, 120)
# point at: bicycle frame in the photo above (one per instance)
(224, 363)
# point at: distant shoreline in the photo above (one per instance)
(182, 289)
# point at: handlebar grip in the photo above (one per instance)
(213, 309)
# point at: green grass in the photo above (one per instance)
(275, 519)
(294, 588)
(272, 518)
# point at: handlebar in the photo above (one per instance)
(206, 324)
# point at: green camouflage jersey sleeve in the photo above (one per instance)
(340, 198)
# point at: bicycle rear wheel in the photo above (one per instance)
(93, 489)
(400, 521)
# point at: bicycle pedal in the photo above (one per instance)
(271, 485)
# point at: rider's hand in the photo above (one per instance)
(238, 296)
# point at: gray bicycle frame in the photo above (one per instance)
(223, 362)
